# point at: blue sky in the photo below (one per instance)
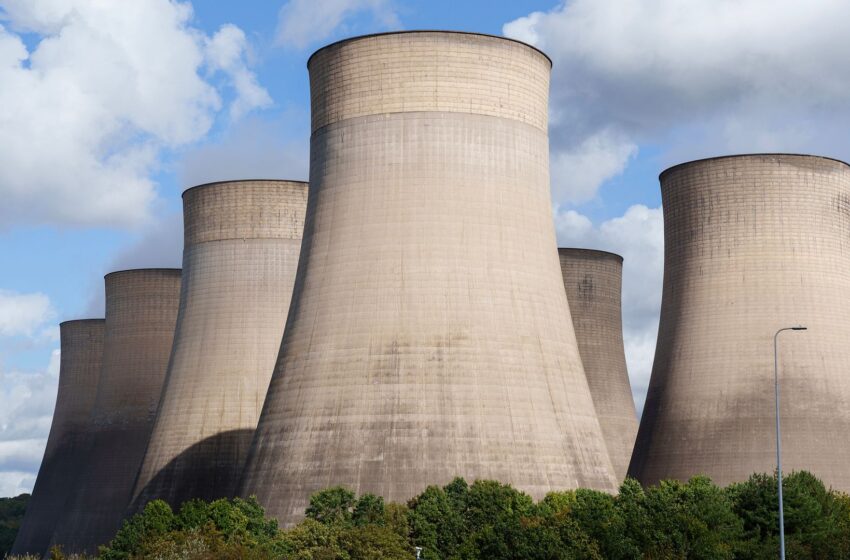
(108, 111)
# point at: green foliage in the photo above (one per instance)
(11, 514)
(332, 506)
(436, 525)
(224, 528)
(695, 520)
(369, 510)
(375, 542)
(817, 521)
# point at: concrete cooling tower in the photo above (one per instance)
(429, 334)
(594, 280)
(753, 244)
(242, 240)
(141, 311)
(81, 344)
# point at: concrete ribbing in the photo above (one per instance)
(593, 280)
(752, 244)
(429, 335)
(242, 240)
(141, 311)
(81, 344)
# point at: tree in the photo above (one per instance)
(139, 532)
(332, 506)
(436, 525)
(374, 542)
(369, 510)
(11, 514)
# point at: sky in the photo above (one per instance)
(109, 110)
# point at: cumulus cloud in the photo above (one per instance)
(698, 78)
(305, 22)
(578, 172)
(638, 236)
(27, 399)
(226, 52)
(23, 314)
(86, 112)
(15, 483)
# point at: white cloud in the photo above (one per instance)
(23, 314)
(305, 22)
(577, 173)
(226, 52)
(698, 78)
(15, 483)
(85, 114)
(638, 236)
(26, 411)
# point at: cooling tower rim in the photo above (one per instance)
(153, 269)
(411, 31)
(599, 252)
(757, 154)
(214, 183)
(89, 320)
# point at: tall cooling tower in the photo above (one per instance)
(79, 369)
(242, 241)
(429, 334)
(141, 311)
(753, 244)
(594, 280)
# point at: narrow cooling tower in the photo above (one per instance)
(753, 244)
(429, 334)
(141, 310)
(242, 241)
(593, 280)
(81, 344)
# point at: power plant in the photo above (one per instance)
(429, 334)
(593, 281)
(753, 244)
(409, 319)
(242, 240)
(81, 344)
(141, 311)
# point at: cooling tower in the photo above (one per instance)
(242, 241)
(429, 334)
(753, 244)
(79, 369)
(141, 310)
(593, 280)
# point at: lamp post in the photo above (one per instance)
(779, 435)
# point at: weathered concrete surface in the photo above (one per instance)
(242, 240)
(429, 334)
(594, 280)
(752, 244)
(81, 344)
(141, 311)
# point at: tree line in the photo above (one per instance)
(489, 520)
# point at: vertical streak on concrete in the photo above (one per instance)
(593, 280)
(753, 243)
(81, 344)
(141, 311)
(429, 334)
(242, 240)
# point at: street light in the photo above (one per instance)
(779, 436)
